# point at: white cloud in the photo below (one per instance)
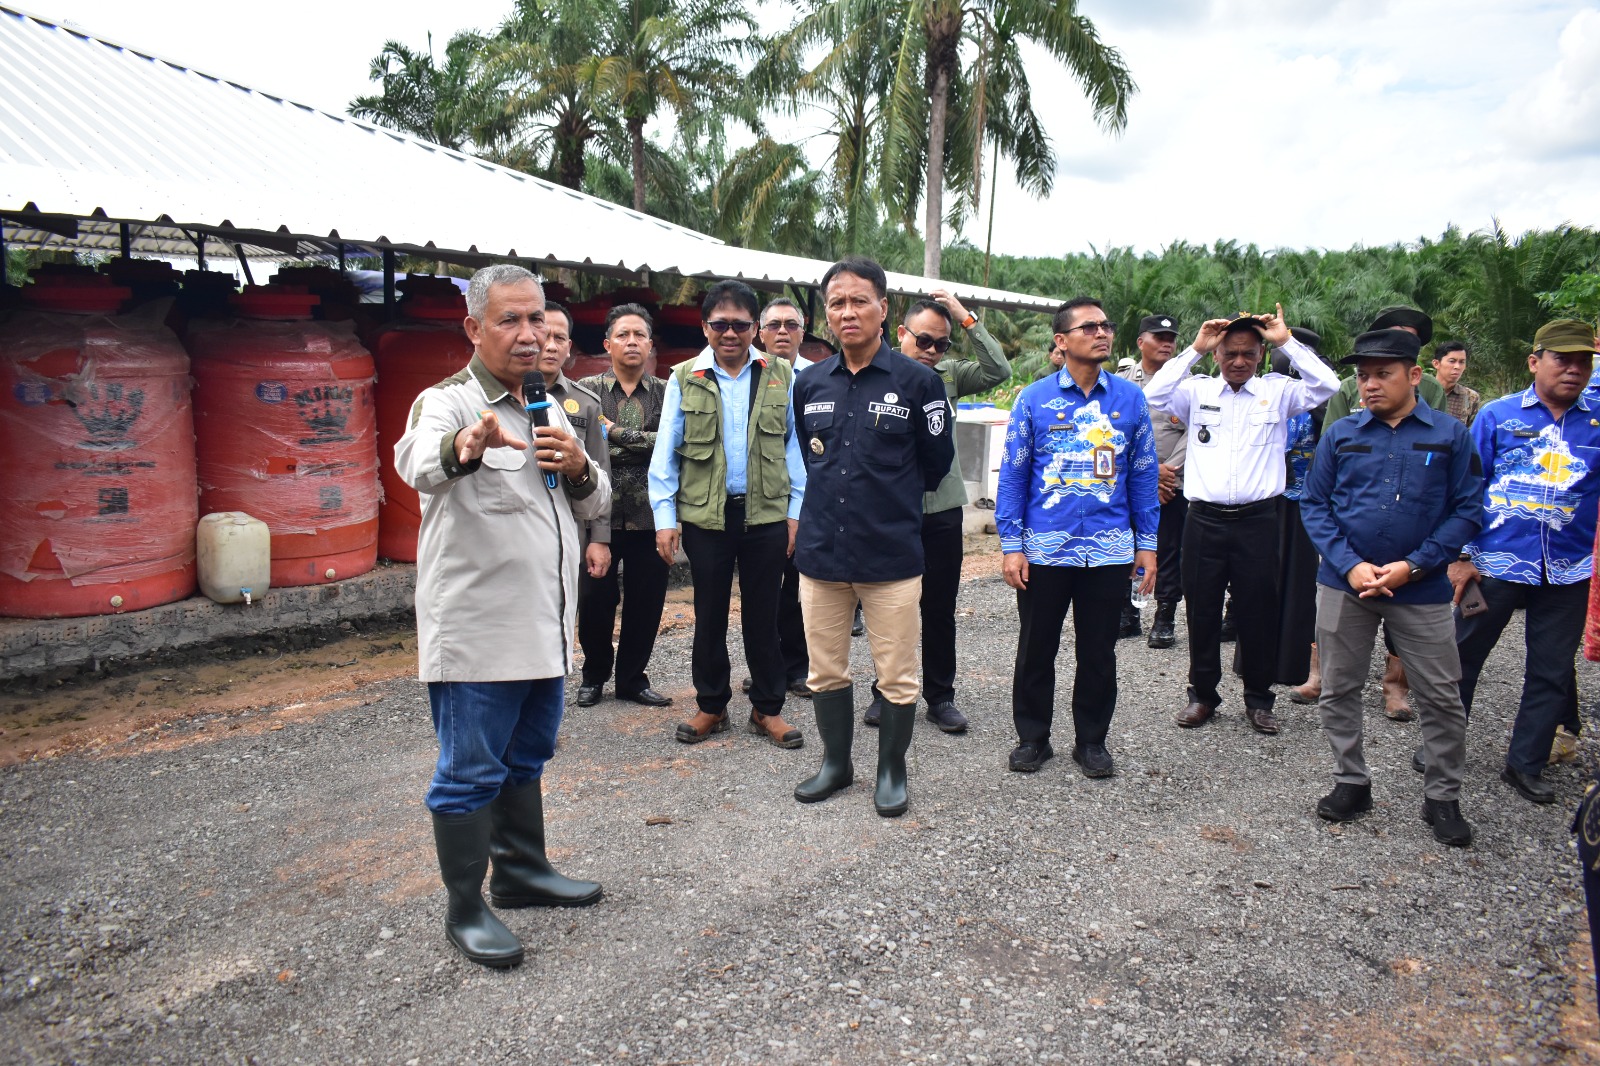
(1558, 115)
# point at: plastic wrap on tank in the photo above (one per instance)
(97, 486)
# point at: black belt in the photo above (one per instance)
(736, 501)
(1243, 510)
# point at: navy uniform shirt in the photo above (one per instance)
(1379, 495)
(874, 442)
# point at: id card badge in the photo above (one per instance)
(1105, 461)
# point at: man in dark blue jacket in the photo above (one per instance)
(1394, 492)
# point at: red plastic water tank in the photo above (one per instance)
(284, 428)
(423, 347)
(97, 490)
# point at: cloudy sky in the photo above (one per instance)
(1288, 123)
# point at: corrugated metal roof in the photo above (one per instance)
(94, 130)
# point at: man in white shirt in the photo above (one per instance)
(1233, 475)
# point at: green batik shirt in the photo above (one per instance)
(631, 438)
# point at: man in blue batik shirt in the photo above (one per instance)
(1541, 478)
(1077, 510)
(1393, 493)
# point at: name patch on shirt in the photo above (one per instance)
(818, 408)
(888, 409)
(1208, 407)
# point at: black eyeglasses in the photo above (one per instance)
(1089, 329)
(784, 325)
(723, 325)
(932, 344)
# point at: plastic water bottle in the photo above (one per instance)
(1136, 596)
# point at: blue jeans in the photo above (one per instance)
(492, 734)
(1552, 629)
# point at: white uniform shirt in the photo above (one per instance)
(1237, 438)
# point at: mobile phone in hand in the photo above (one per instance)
(1472, 600)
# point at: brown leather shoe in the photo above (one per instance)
(701, 726)
(1395, 691)
(1195, 714)
(775, 729)
(1262, 721)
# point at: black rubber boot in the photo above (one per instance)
(462, 841)
(1129, 626)
(894, 739)
(523, 876)
(1162, 632)
(836, 726)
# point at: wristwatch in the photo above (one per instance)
(580, 483)
(970, 321)
(1417, 572)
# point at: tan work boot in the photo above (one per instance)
(775, 729)
(1395, 690)
(701, 726)
(1565, 746)
(1311, 691)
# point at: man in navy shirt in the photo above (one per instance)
(1541, 471)
(1077, 508)
(1393, 493)
(876, 435)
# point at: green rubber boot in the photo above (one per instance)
(894, 739)
(462, 841)
(836, 725)
(523, 876)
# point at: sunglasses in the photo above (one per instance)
(932, 344)
(785, 325)
(723, 325)
(1090, 328)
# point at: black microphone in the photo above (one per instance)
(538, 407)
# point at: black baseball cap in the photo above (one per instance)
(1158, 324)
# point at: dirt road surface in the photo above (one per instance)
(226, 859)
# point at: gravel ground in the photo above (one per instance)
(260, 887)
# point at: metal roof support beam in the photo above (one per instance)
(244, 263)
(388, 279)
(125, 232)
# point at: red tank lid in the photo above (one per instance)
(280, 302)
(436, 307)
(75, 293)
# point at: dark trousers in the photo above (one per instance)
(633, 551)
(792, 628)
(942, 551)
(1095, 594)
(1169, 550)
(1237, 548)
(1552, 627)
(759, 553)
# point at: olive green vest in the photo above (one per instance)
(703, 468)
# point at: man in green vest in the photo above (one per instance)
(727, 467)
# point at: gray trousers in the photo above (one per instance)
(1424, 638)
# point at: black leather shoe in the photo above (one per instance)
(647, 696)
(1345, 803)
(859, 626)
(1162, 633)
(589, 695)
(798, 688)
(1094, 759)
(1533, 789)
(1229, 631)
(1448, 825)
(1417, 762)
(744, 686)
(1030, 755)
(1129, 626)
(874, 713)
(944, 715)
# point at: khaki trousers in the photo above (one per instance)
(894, 624)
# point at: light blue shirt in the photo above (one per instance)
(735, 395)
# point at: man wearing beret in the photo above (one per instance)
(1393, 493)
(1234, 473)
(1157, 341)
(1540, 450)
(1348, 399)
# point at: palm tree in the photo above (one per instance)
(446, 105)
(940, 27)
(676, 54)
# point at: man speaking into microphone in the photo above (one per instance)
(503, 485)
